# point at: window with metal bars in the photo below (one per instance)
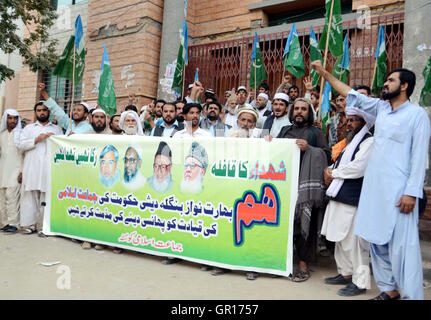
(60, 90)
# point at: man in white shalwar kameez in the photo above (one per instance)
(345, 180)
(10, 171)
(388, 214)
(33, 143)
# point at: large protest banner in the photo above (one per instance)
(222, 202)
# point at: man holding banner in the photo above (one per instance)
(388, 217)
(315, 157)
(32, 142)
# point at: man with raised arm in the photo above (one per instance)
(387, 214)
(80, 112)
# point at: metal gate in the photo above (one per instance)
(225, 65)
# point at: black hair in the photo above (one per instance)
(293, 87)
(159, 100)
(310, 118)
(112, 118)
(216, 103)
(264, 86)
(188, 106)
(406, 76)
(171, 104)
(131, 107)
(40, 103)
(363, 87)
(180, 101)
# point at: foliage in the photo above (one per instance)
(36, 49)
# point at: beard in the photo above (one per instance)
(180, 118)
(194, 186)
(351, 134)
(301, 123)
(129, 178)
(212, 117)
(170, 121)
(160, 186)
(390, 95)
(131, 130)
(42, 119)
(109, 182)
(244, 133)
(98, 128)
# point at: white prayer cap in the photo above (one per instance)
(99, 111)
(190, 86)
(282, 96)
(134, 115)
(369, 118)
(242, 88)
(228, 92)
(263, 95)
(248, 109)
(85, 105)
(210, 91)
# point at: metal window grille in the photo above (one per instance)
(226, 65)
(60, 90)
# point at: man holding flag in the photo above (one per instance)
(70, 66)
(387, 215)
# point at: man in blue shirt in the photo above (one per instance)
(387, 214)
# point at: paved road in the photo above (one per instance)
(106, 275)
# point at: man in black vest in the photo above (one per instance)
(345, 179)
(278, 119)
(212, 122)
(170, 124)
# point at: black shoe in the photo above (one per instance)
(350, 290)
(339, 279)
(251, 275)
(385, 296)
(170, 261)
(204, 267)
(11, 230)
(219, 271)
(5, 228)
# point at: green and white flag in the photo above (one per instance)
(336, 32)
(257, 69)
(64, 67)
(425, 99)
(315, 54)
(381, 67)
(342, 65)
(182, 59)
(107, 99)
(292, 56)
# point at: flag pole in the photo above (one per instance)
(73, 88)
(255, 82)
(184, 81)
(374, 75)
(322, 81)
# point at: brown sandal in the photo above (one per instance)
(301, 276)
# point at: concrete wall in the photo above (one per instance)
(417, 33)
(131, 31)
